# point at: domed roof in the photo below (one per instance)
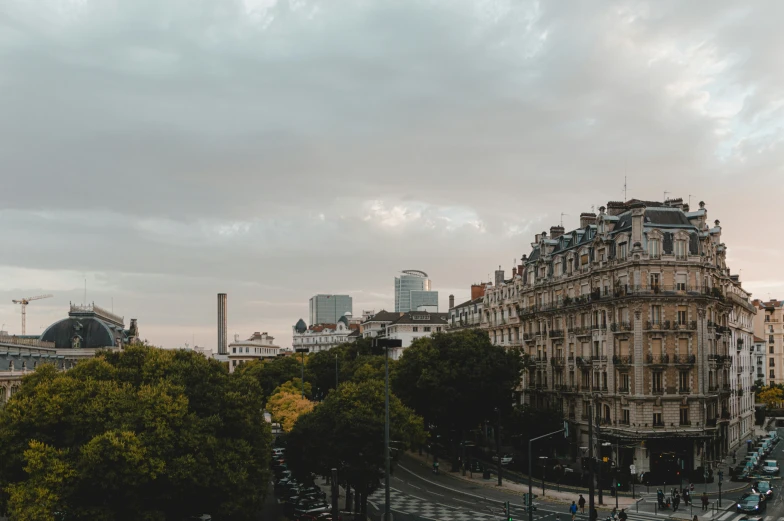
(344, 319)
(82, 333)
(301, 326)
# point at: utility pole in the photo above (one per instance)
(387, 343)
(590, 458)
(498, 445)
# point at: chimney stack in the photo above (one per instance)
(451, 301)
(222, 339)
(556, 231)
(587, 218)
(477, 290)
(514, 272)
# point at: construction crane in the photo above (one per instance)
(24, 302)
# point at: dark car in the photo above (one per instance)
(751, 504)
(476, 466)
(762, 488)
(311, 507)
(314, 491)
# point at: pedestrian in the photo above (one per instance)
(622, 516)
(676, 501)
(594, 515)
(686, 497)
(573, 510)
(695, 518)
(704, 498)
(581, 502)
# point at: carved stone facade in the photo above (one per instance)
(628, 314)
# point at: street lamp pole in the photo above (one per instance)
(498, 445)
(386, 344)
(302, 350)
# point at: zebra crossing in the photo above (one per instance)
(734, 516)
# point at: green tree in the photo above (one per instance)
(346, 431)
(771, 397)
(456, 380)
(142, 433)
(287, 403)
(274, 372)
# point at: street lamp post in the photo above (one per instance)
(302, 350)
(387, 343)
(544, 467)
(498, 445)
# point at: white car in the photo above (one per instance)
(506, 459)
(770, 466)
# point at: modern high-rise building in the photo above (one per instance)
(222, 340)
(327, 309)
(412, 292)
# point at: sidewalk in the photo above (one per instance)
(550, 494)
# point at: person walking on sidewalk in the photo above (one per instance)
(581, 502)
(622, 516)
(704, 498)
(573, 510)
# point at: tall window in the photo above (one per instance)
(680, 249)
(625, 416)
(772, 362)
(654, 248)
(622, 248)
(682, 314)
(684, 415)
(655, 279)
(657, 419)
(624, 382)
(656, 314)
(683, 380)
(657, 382)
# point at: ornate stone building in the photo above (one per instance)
(629, 314)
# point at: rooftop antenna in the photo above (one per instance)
(665, 195)
(562, 216)
(624, 189)
(689, 201)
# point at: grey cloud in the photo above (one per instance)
(277, 149)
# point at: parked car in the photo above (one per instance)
(506, 459)
(751, 504)
(763, 488)
(774, 435)
(771, 467)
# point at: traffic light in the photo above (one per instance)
(508, 511)
(525, 499)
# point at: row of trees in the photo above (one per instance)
(142, 433)
(445, 386)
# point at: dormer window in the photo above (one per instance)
(654, 248)
(680, 249)
(622, 250)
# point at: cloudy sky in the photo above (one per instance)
(166, 151)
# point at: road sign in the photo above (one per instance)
(632, 469)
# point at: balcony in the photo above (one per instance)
(581, 331)
(581, 361)
(622, 360)
(711, 422)
(658, 390)
(685, 359)
(621, 326)
(684, 390)
(654, 324)
(557, 361)
(713, 388)
(658, 424)
(684, 326)
(598, 358)
(659, 359)
(556, 333)
(623, 390)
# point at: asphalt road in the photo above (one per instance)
(417, 491)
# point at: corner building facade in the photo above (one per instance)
(629, 314)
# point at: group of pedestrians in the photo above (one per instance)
(594, 516)
(673, 500)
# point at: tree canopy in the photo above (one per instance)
(455, 380)
(771, 396)
(273, 372)
(142, 433)
(287, 403)
(346, 431)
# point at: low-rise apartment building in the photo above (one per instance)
(769, 326)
